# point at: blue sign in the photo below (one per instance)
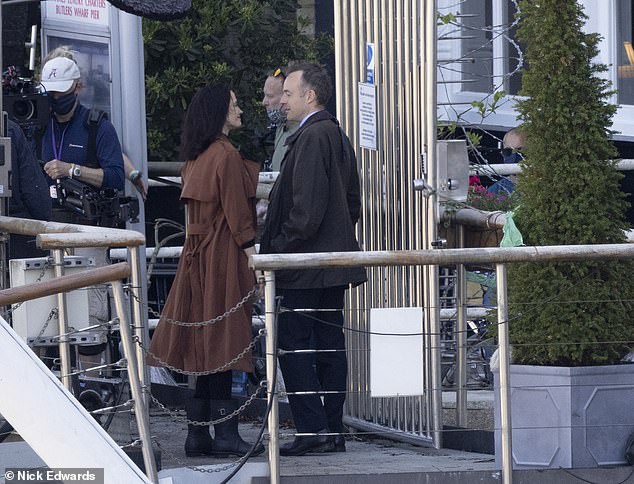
(369, 64)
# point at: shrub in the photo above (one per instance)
(233, 41)
(568, 314)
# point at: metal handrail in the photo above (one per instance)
(58, 236)
(67, 283)
(500, 256)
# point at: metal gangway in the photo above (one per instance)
(79, 440)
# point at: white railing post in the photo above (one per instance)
(271, 368)
(141, 329)
(141, 407)
(505, 388)
(62, 322)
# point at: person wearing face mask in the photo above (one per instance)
(279, 130)
(273, 88)
(66, 153)
(512, 145)
(66, 138)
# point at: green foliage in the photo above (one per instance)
(233, 41)
(570, 195)
(485, 108)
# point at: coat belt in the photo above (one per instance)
(198, 229)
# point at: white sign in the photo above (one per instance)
(92, 12)
(396, 352)
(367, 116)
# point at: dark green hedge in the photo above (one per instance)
(568, 314)
(234, 41)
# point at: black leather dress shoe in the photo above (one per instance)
(309, 444)
(340, 443)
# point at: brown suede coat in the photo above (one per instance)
(212, 275)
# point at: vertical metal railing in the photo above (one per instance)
(271, 369)
(393, 214)
(505, 383)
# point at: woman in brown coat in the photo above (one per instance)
(218, 186)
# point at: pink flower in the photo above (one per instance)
(474, 180)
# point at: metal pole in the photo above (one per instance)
(1, 64)
(62, 323)
(505, 390)
(432, 216)
(141, 410)
(271, 366)
(141, 328)
(461, 338)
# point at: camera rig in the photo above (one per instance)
(24, 103)
(104, 207)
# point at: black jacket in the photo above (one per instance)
(315, 204)
(30, 196)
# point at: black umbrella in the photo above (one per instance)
(155, 9)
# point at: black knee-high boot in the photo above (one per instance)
(198, 442)
(227, 440)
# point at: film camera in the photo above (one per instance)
(104, 207)
(23, 101)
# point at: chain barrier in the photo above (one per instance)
(178, 418)
(256, 291)
(224, 367)
(47, 264)
(184, 464)
(38, 338)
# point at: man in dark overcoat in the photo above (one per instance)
(314, 207)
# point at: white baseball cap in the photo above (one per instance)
(59, 74)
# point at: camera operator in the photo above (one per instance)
(29, 197)
(67, 152)
(65, 142)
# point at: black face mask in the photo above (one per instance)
(63, 104)
(510, 155)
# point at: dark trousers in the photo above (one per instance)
(314, 372)
(216, 386)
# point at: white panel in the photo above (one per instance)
(29, 317)
(396, 362)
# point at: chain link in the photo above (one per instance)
(184, 464)
(10, 311)
(51, 315)
(224, 367)
(256, 291)
(177, 417)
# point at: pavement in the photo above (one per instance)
(369, 459)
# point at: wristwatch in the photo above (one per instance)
(76, 170)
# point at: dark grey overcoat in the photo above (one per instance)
(315, 204)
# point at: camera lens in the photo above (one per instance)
(23, 109)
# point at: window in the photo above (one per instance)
(477, 46)
(625, 52)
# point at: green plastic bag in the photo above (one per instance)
(512, 236)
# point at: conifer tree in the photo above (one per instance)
(570, 194)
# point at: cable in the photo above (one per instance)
(266, 414)
(592, 482)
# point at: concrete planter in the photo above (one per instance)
(568, 417)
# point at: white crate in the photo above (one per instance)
(29, 318)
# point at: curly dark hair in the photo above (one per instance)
(204, 120)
